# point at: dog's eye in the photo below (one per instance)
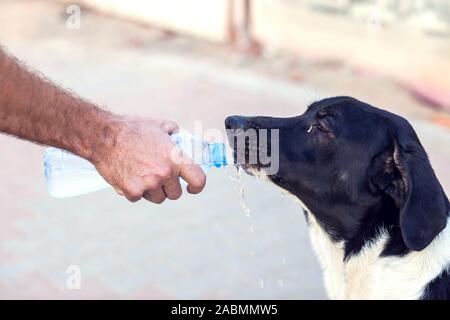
(319, 127)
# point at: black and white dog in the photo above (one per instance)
(376, 211)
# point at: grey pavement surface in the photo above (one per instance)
(200, 246)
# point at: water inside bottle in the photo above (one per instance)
(69, 175)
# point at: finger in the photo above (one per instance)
(132, 197)
(194, 176)
(153, 190)
(172, 188)
(189, 171)
(156, 196)
(132, 190)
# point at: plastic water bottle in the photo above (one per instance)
(69, 175)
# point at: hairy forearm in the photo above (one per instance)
(35, 109)
(135, 156)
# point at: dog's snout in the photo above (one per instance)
(235, 122)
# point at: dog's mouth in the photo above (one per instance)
(256, 147)
(244, 141)
(244, 151)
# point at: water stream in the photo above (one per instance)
(236, 175)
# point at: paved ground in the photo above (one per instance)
(201, 246)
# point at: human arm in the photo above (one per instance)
(132, 154)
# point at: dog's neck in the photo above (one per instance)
(353, 227)
(373, 272)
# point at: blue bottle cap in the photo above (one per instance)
(217, 154)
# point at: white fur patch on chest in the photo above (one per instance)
(331, 258)
(369, 276)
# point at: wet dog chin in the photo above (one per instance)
(253, 170)
(247, 167)
(250, 169)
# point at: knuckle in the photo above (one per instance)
(152, 185)
(164, 173)
(133, 194)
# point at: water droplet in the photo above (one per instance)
(236, 175)
(233, 173)
(261, 283)
(281, 283)
(244, 202)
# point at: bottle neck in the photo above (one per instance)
(217, 154)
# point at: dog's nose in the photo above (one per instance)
(235, 122)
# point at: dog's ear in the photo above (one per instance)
(404, 172)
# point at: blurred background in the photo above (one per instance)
(199, 60)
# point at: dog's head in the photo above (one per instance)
(346, 160)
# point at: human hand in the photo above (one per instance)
(140, 161)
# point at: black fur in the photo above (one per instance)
(439, 288)
(360, 170)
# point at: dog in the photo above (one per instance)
(376, 211)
